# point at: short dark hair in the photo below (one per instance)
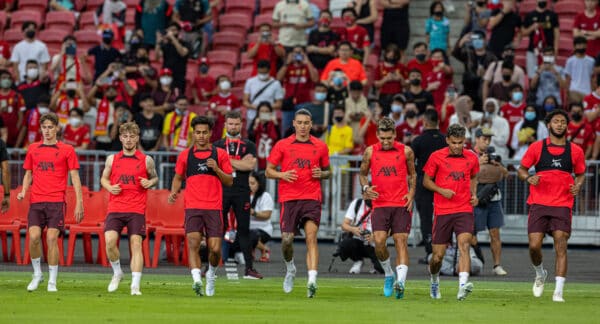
(439, 50)
(68, 38)
(386, 124)
(3, 71)
(146, 96)
(327, 11)
(399, 97)
(303, 111)
(181, 96)
(265, 104)
(579, 40)
(263, 64)
(575, 104)
(28, 23)
(233, 114)
(456, 130)
(415, 70)
(174, 24)
(339, 107)
(77, 110)
(320, 85)
(356, 86)
(419, 44)
(514, 87)
(32, 62)
(51, 117)
(342, 43)
(202, 120)
(548, 49)
(433, 5)
(349, 9)
(553, 113)
(121, 104)
(430, 116)
(44, 97)
(509, 65)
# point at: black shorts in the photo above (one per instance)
(135, 223)
(47, 214)
(295, 213)
(208, 222)
(547, 219)
(396, 219)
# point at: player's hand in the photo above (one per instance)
(211, 163)
(21, 195)
(409, 201)
(172, 198)
(145, 182)
(474, 201)
(290, 175)
(5, 204)
(573, 189)
(370, 193)
(447, 193)
(534, 180)
(79, 212)
(317, 173)
(115, 189)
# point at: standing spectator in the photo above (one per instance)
(466, 117)
(356, 35)
(102, 113)
(32, 122)
(446, 110)
(174, 52)
(319, 108)
(579, 71)
(322, 41)
(395, 27)
(421, 61)
(591, 106)
(292, 18)
(477, 17)
(191, 15)
(541, 25)
(265, 132)
(166, 93)
(142, 74)
(66, 65)
(221, 103)
(70, 95)
(204, 86)
(505, 24)
(339, 138)
(498, 125)
(29, 48)
(352, 69)
(513, 109)
(12, 110)
(579, 131)
(265, 48)
(76, 133)
(437, 27)
(177, 132)
(104, 54)
(390, 75)
(367, 13)
(501, 90)
(416, 93)
(261, 208)
(111, 16)
(440, 78)
(587, 24)
(262, 87)
(150, 124)
(356, 105)
(528, 130)
(151, 17)
(493, 73)
(367, 131)
(33, 87)
(338, 91)
(412, 126)
(548, 79)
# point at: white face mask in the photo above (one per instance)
(74, 121)
(225, 85)
(33, 73)
(166, 80)
(43, 110)
(263, 76)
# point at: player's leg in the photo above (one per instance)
(560, 246)
(52, 243)
(537, 225)
(288, 222)
(137, 262)
(35, 223)
(241, 208)
(312, 255)
(381, 224)
(401, 243)
(464, 264)
(193, 240)
(113, 225)
(214, 256)
(435, 265)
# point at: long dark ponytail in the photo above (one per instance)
(262, 186)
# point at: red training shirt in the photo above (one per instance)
(584, 23)
(298, 83)
(265, 52)
(404, 129)
(591, 102)
(389, 175)
(357, 36)
(206, 83)
(126, 171)
(425, 68)
(582, 135)
(513, 115)
(390, 87)
(76, 137)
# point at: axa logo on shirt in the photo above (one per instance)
(127, 179)
(45, 166)
(456, 176)
(301, 163)
(387, 171)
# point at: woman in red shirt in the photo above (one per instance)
(77, 133)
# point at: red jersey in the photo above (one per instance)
(4, 50)
(444, 123)
(390, 87)
(265, 137)
(454, 173)
(405, 129)
(357, 36)
(203, 188)
(555, 171)
(425, 68)
(513, 115)
(297, 83)
(370, 134)
(127, 171)
(50, 166)
(10, 106)
(206, 83)
(445, 81)
(76, 137)
(582, 135)
(389, 175)
(585, 23)
(231, 102)
(591, 102)
(265, 52)
(291, 154)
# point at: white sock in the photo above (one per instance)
(53, 273)
(435, 277)
(387, 268)
(401, 272)
(290, 265)
(539, 270)
(463, 277)
(197, 275)
(136, 277)
(312, 275)
(37, 266)
(211, 270)
(116, 266)
(560, 283)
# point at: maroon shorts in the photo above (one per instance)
(207, 222)
(295, 213)
(47, 214)
(547, 219)
(396, 219)
(136, 223)
(445, 225)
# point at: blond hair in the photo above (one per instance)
(129, 127)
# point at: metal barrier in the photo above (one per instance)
(343, 187)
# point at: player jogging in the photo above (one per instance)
(127, 176)
(304, 161)
(451, 173)
(205, 168)
(552, 191)
(48, 165)
(392, 190)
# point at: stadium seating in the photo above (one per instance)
(236, 22)
(36, 5)
(18, 17)
(3, 20)
(168, 221)
(240, 6)
(13, 35)
(13, 222)
(569, 8)
(87, 38)
(86, 20)
(262, 19)
(60, 20)
(92, 5)
(53, 39)
(222, 57)
(267, 5)
(240, 76)
(228, 40)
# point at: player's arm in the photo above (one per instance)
(26, 184)
(6, 185)
(364, 168)
(474, 201)
(247, 163)
(272, 173)
(175, 187)
(74, 173)
(523, 174)
(412, 176)
(152, 179)
(226, 178)
(105, 179)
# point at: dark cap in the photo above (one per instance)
(107, 33)
(356, 85)
(484, 132)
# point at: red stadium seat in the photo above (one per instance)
(240, 76)
(12, 222)
(569, 8)
(262, 19)
(221, 69)
(236, 22)
(238, 92)
(3, 20)
(53, 38)
(372, 61)
(60, 19)
(36, 5)
(566, 24)
(240, 6)
(18, 17)
(246, 61)
(228, 40)
(169, 222)
(527, 6)
(322, 4)
(92, 5)
(87, 38)
(267, 5)
(13, 35)
(86, 20)
(223, 57)
(130, 18)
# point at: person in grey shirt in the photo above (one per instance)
(262, 87)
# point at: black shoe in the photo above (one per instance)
(478, 253)
(424, 260)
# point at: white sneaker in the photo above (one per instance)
(114, 282)
(239, 258)
(210, 284)
(557, 297)
(311, 289)
(464, 291)
(197, 287)
(35, 282)
(356, 267)
(52, 287)
(499, 271)
(538, 284)
(434, 291)
(288, 281)
(135, 291)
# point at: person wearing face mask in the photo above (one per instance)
(260, 88)
(367, 127)
(550, 103)
(150, 124)
(220, 104)
(351, 68)
(265, 48)
(193, 15)
(390, 74)
(139, 71)
(356, 35)
(265, 132)
(499, 125)
(111, 15)
(579, 71)
(411, 127)
(580, 131)
(165, 94)
(466, 117)
(70, 95)
(586, 25)
(76, 133)
(177, 131)
(493, 73)
(339, 138)
(416, 93)
(33, 87)
(102, 111)
(591, 105)
(541, 25)
(321, 42)
(30, 48)
(67, 65)
(421, 61)
(152, 16)
(174, 53)
(437, 27)
(397, 109)
(12, 110)
(203, 87)
(31, 131)
(501, 90)
(337, 91)
(395, 27)
(440, 78)
(104, 54)
(548, 80)
(292, 17)
(319, 109)
(505, 24)
(513, 109)
(477, 18)
(528, 130)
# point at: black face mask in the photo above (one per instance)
(338, 119)
(30, 34)
(438, 13)
(509, 57)
(391, 60)
(107, 41)
(203, 69)
(506, 77)
(143, 60)
(421, 57)
(577, 117)
(580, 50)
(71, 93)
(542, 4)
(111, 98)
(415, 82)
(410, 114)
(481, 3)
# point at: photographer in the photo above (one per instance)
(356, 242)
(265, 48)
(174, 52)
(488, 213)
(548, 79)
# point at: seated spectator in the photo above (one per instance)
(493, 73)
(440, 78)
(586, 25)
(359, 244)
(177, 129)
(221, 103)
(513, 109)
(505, 24)
(265, 132)
(66, 65)
(319, 109)
(30, 48)
(580, 131)
(437, 27)
(193, 15)
(261, 208)
(166, 93)
(367, 132)
(356, 35)
(467, 117)
(415, 93)
(352, 68)
(356, 105)
(104, 54)
(204, 86)
(548, 80)
(70, 95)
(591, 106)
(339, 138)
(31, 130)
(397, 109)
(390, 75)
(102, 113)
(150, 123)
(152, 17)
(265, 48)
(76, 133)
(501, 90)
(173, 51)
(259, 88)
(548, 104)
(338, 90)
(421, 61)
(321, 42)
(541, 25)
(292, 19)
(528, 130)
(499, 126)
(411, 127)
(579, 71)
(33, 87)
(12, 110)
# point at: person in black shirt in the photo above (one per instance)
(541, 25)
(150, 124)
(505, 24)
(5, 176)
(174, 52)
(104, 54)
(33, 87)
(415, 92)
(423, 145)
(322, 41)
(395, 27)
(242, 155)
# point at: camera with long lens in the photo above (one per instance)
(492, 156)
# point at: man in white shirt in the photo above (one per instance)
(29, 49)
(292, 17)
(262, 87)
(579, 71)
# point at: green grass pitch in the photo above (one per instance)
(82, 297)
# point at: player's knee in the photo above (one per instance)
(535, 246)
(35, 238)
(287, 240)
(51, 239)
(436, 258)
